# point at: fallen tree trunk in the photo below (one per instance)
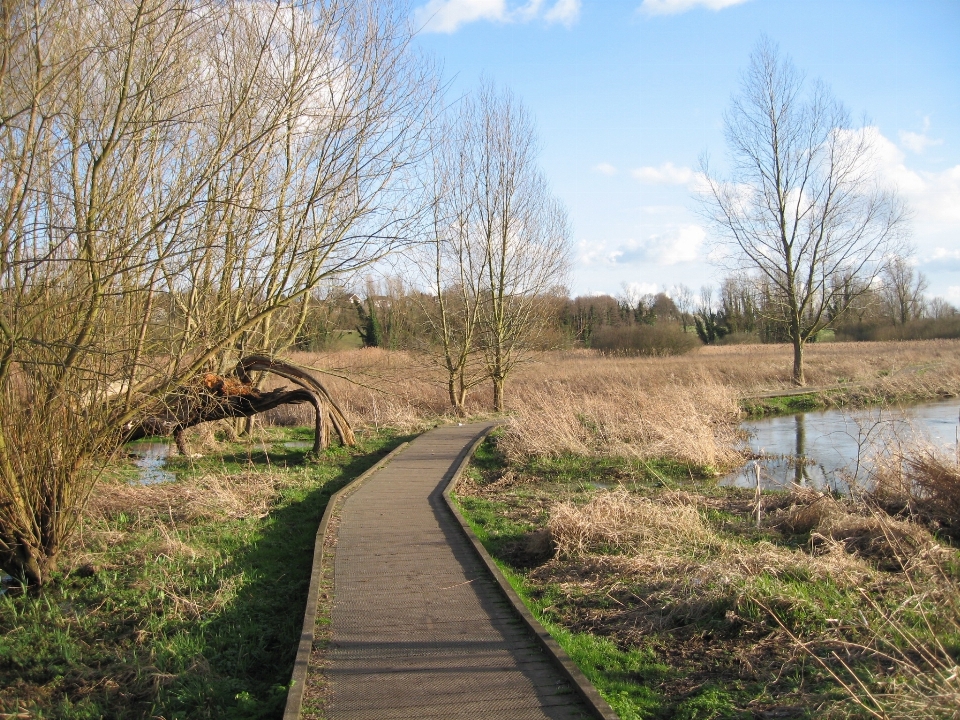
(218, 397)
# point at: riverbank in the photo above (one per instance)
(181, 599)
(679, 600)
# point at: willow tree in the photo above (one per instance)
(176, 178)
(803, 208)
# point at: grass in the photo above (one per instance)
(682, 408)
(676, 604)
(183, 599)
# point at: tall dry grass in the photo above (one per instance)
(687, 568)
(922, 482)
(583, 403)
(581, 411)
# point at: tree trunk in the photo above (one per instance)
(456, 395)
(798, 378)
(497, 394)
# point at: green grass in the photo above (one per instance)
(626, 678)
(691, 666)
(785, 405)
(174, 620)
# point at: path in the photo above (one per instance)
(419, 627)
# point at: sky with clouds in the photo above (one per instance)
(628, 94)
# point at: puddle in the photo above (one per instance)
(299, 444)
(599, 486)
(151, 458)
(8, 582)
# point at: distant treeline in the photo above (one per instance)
(388, 314)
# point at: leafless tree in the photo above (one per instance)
(683, 297)
(939, 309)
(902, 290)
(451, 260)
(176, 178)
(522, 230)
(498, 248)
(802, 204)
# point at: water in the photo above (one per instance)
(7, 582)
(828, 450)
(299, 444)
(151, 458)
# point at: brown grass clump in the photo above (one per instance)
(670, 531)
(922, 482)
(212, 496)
(620, 522)
(616, 413)
(859, 529)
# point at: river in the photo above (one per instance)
(833, 448)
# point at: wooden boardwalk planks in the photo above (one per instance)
(419, 627)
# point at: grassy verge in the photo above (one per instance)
(904, 393)
(786, 404)
(677, 604)
(181, 599)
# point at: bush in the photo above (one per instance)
(739, 338)
(926, 329)
(660, 339)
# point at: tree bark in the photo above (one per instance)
(497, 394)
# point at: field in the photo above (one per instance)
(599, 498)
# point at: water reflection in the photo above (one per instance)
(151, 457)
(800, 473)
(830, 449)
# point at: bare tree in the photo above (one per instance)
(498, 248)
(451, 261)
(683, 297)
(802, 205)
(175, 181)
(523, 232)
(902, 290)
(940, 309)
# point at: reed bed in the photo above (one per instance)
(920, 482)
(582, 403)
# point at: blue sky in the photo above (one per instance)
(627, 94)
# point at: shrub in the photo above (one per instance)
(656, 340)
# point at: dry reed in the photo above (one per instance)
(921, 481)
(582, 403)
(623, 523)
(245, 494)
(653, 530)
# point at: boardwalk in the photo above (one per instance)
(419, 628)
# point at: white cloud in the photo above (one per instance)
(635, 291)
(919, 142)
(666, 174)
(934, 196)
(674, 7)
(679, 244)
(448, 16)
(605, 169)
(565, 12)
(944, 254)
(953, 292)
